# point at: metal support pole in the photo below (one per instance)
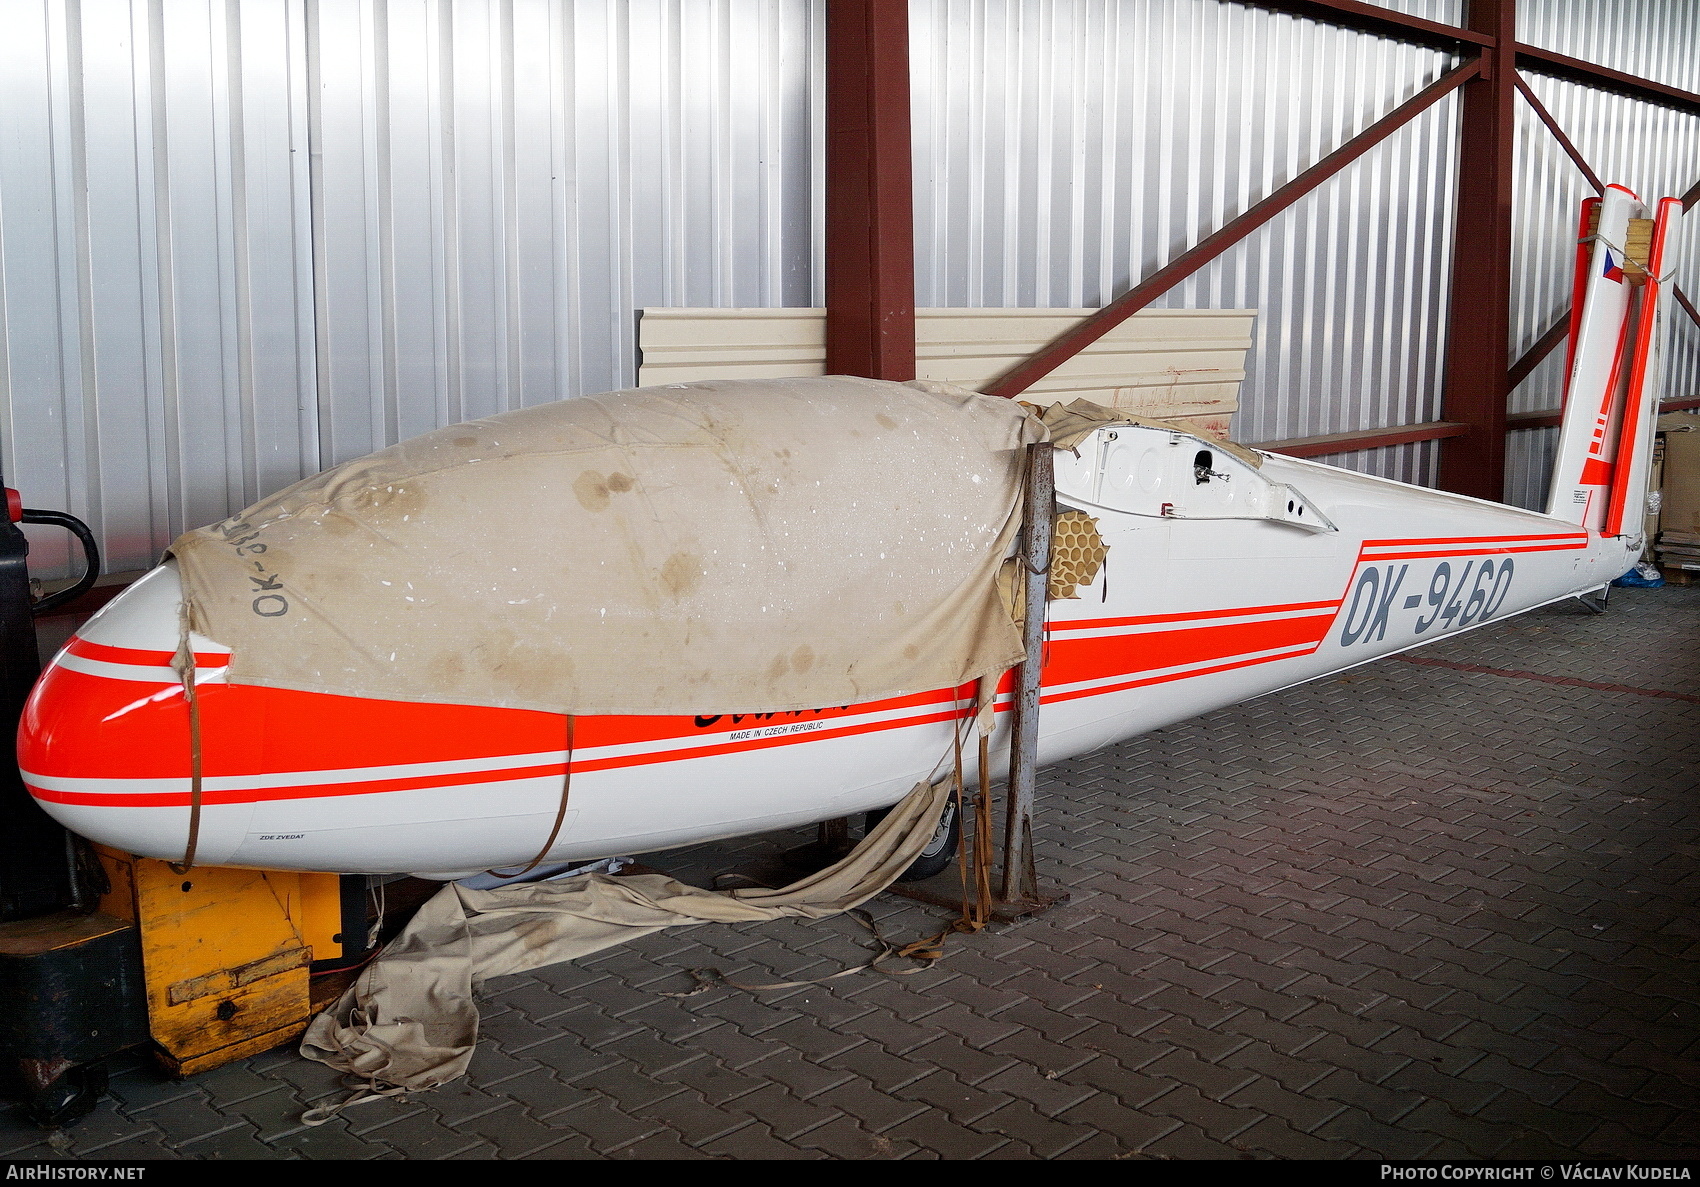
(1018, 892)
(1479, 331)
(1020, 881)
(870, 222)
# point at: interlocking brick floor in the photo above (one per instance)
(1411, 911)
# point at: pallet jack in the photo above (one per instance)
(102, 951)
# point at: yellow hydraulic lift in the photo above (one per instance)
(225, 953)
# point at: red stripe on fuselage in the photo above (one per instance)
(1071, 661)
(164, 799)
(87, 727)
(1405, 556)
(1098, 624)
(251, 730)
(81, 726)
(131, 655)
(1419, 548)
(1581, 537)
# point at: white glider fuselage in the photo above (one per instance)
(1196, 608)
(1224, 581)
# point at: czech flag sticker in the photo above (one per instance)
(1613, 270)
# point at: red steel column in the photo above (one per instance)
(1479, 334)
(870, 224)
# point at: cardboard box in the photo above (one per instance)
(1680, 510)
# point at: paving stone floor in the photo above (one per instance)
(1418, 910)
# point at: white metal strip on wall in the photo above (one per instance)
(1160, 362)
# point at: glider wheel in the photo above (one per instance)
(941, 847)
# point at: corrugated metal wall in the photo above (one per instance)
(155, 283)
(1655, 39)
(242, 239)
(500, 185)
(1068, 149)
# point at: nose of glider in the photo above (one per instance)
(104, 741)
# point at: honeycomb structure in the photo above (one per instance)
(1077, 553)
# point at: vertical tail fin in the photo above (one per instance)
(1600, 362)
(1627, 503)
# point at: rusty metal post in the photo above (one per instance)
(1020, 881)
(870, 222)
(1478, 344)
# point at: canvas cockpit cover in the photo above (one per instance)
(735, 546)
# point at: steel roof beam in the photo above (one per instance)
(1544, 345)
(1333, 443)
(1429, 430)
(1476, 380)
(1545, 61)
(1564, 142)
(1383, 22)
(1551, 418)
(1370, 18)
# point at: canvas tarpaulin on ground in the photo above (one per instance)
(735, 546)
(410, 1022)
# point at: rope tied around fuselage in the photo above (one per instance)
(184, 663)
(560, 811)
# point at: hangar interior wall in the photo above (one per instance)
(240, 241)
